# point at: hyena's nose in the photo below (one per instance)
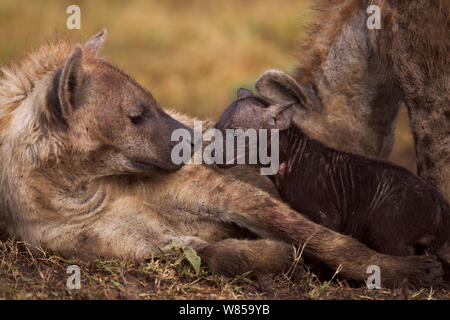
(196, 140)
(188, 135)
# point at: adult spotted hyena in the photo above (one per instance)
(355, 79)
(86, 171)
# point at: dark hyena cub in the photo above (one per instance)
(382, 205)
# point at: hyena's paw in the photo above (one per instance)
(422, 271)
(444, 255)
(224, 261)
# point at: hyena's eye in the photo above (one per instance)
(136, 118)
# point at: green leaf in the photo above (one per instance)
(174, 246)
(193, 259)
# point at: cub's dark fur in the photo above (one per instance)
(382, 205)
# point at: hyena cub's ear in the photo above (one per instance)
(242, 93)
(96, 42)
(279, 87)
(64, 88)
(279, 116)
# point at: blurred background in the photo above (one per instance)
(191, 54)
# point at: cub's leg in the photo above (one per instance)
(418, 224)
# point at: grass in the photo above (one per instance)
(192, 55)
(38, 274)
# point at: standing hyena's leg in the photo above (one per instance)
(430, 124)
(421, 53)
(228, 199)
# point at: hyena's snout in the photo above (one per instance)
(166, 141)
(180, 143)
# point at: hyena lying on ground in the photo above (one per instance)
(380, 204)
(356, 79)
(85, 162)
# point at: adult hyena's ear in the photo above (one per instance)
(96, 42)
(278, 116)
(279, 87)
(65, 86)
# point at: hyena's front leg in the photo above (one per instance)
(132, 230)
(214, 193)
(120, 233)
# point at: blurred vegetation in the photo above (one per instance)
(192, 55)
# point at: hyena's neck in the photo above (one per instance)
(292, 143)
(56, 191)
(421, 53)
(355, 86)
(361, 124)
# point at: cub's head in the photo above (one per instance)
(246, 123)
(281, 100)
(105, 117)
(281, 103)
(252, 112)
